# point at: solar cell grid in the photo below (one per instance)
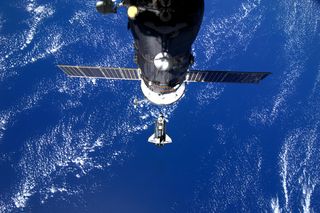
(101, 72)
(225, 76)
(192, 76)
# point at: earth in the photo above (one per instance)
(78, 145)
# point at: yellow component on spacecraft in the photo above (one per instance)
(132, 12)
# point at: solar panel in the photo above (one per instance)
(101, 72)
(225, 76)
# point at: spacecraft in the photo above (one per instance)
(163, 32)
(160, 137)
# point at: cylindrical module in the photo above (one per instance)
(164, 32)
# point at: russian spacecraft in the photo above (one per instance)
(163, 32)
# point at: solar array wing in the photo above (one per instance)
(101, 72)
(225, 76)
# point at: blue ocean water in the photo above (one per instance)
(76, 145)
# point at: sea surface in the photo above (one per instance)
(78, 145)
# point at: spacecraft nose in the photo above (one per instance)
(163, 99)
